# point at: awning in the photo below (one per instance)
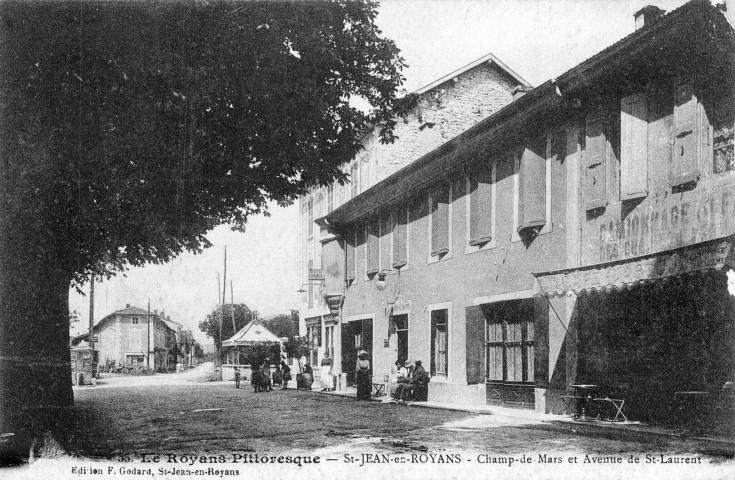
(252, 334)
(709, 255)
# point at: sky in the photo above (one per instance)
(538, 39)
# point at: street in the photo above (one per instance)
(177, 414)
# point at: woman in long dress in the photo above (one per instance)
(362, 376)
(326, 374)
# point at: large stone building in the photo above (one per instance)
(444, 109)
(580, 234)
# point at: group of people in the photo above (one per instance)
(283, 373)
(409, 381)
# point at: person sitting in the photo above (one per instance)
(403, 381)
(399, 376)
(417, 386)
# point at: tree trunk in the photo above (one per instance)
(35, 370)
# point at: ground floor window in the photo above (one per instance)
(314, 334)
(439, 342)
(329, 340)
(509, 351)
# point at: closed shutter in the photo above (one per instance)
(634, 147)
(475, 335)
(595, 156)
(400, 257)
(386, 227)
(532, 183)
(440, 221)
(350, 256)
(481, 206)
(685, 166)
(372, 247)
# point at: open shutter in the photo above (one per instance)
(595, 155)
(372, 247)
(684, 166)
(481, 199)
(532, 181)
(399, 238)
(440, 221)
(475, 335)
(634, 147)
(350, 256)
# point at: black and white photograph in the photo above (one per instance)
(442, 239)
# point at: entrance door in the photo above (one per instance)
(356, 335)
(401, 323)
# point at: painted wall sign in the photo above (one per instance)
(657, 227)
(400, 304)
(698, 257)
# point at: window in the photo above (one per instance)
(634, 147)
(350, 242)
(330, 198)
(135, 320)
(594, 187)
(372, 247)
(480, 198)
(310, 290)
(329, 341)
(439, 202)
(354, 179)
(310, 217)
(400, 238)
(509, 338)
(684, 161)
(439, 342)
(532, 187)
(723, 129)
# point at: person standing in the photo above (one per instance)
(266, 371)
(362, 376)
(326, 373)
(237, 377)
(285, 374)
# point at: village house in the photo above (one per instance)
(444, 108)
(582, 234)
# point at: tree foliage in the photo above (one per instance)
(211, 325)
(283, 325)
(133, 128)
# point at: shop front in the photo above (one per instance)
(657, 331)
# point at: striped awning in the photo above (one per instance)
(709, 255)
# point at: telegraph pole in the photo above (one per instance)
(148, 349)
(91, 324)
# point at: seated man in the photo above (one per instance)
(399, 376)
(417, 387)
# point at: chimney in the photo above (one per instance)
(127, 305)
(519, 91)
(647, 15)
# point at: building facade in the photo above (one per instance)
(581, 234)
(444, 109)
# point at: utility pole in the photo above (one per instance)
(219, 318)
(148, 327)
(232, 306)
(91, 324)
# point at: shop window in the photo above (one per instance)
(314, 334)
(480, 198)
(439, 342)
(372, 248)
(684, 161)
(532, 187)
(439, 202)
(509, 342)
(634, 147)
(329, 341)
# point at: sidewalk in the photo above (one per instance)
(563, 421)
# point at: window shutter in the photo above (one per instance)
(386, 227)
(634, 147)
(372, 247)
(684, 166)
(350, 256)
(400, 257)
(475, 345)
(532, 183)
(595, 156)
(440, 221)
(481, 207)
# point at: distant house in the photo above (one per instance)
(134, 337)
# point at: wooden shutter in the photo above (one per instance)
(595, 156)
(481, 204)
(386, 226)
(634, 147)
(350, 256)
(684, 161)
(440, 221)
(532, 183)
(372, 247)
(400, 257)
(475, 335)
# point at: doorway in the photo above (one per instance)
(400, 323)
(356, 335)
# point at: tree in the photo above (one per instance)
(211, 325)
(297, 347)
(281, 325)
(128, 130)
